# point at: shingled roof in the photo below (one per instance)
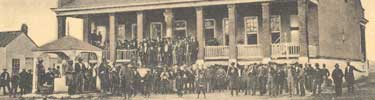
(68, 43)
(7, 37)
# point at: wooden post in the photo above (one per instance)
(302, 18)
(140, 18)
(168, 15)
(265, 36)
(112, 37)
(200, 34)
(232, 17)
(86, 28)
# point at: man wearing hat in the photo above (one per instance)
(337, 76)
(41, 72)
(349, 76)
(79, 68)
(5, 79)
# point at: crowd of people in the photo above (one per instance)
(271, 79)
(163, 51)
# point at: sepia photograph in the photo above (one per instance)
(187, 50)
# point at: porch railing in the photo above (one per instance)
(249, 51)
(125, 55)
(216, 52)
(285, 50)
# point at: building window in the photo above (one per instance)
(156, 29)
(226, 31)
(29, 62)
(251, 30)
(275, 28)
(15, 66)
(180, 28)
(134, 31)
(209, 26)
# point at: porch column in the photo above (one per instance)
(168, 16)
(200, 34)
(61, 26)
(265, 36)
(112, 37)
(86, 28)
(139, 26)
(232, 17)
(302, 12)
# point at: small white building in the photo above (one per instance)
(16, 51)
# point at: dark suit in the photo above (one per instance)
(349, 77)
(5, 79)
(337, 76)
(79, 68)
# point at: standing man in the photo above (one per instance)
(202, 84)
(5, 79)
(23, 81)
(317, 79)
(69, 77)
(233, 79)
(40, 71)
(80, 70)
(325, 73)
(290, 80)
(147, 81)
(179, 83)
(337, 76)
(50, 79)
(301, 80)
(349, 76)
(14, 81)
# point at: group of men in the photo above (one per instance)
(270, 79)
(11, 82)
(163, 51)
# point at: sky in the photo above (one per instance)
(42, 20)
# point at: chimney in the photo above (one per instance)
(24, 29)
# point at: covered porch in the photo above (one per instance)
(67, 49)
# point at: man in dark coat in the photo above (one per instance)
(233, 79)
(349, 76)
(317, 80)
(79, 68)
(179, 84)
(69, 77)
(5, 79)
(50, 78)
(202, 84)
(337, 76)
(23, 81)
(40, 71)
(15, 82)
(103, 75)
(29, 81)
(147, 82)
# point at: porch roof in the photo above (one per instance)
(67, 43)
(82, 7)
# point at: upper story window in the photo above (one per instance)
(251, 30)
(276, 28)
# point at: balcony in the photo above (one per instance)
(216, 52)
(126, 55)
(285, 50)
(249, 51)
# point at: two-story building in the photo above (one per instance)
(248, 30)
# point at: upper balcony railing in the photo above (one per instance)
(216, 52)
(249, 51)
(285, 50)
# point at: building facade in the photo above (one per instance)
(16, 51)
(247, 30)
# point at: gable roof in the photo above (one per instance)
(68, 43)
(7, 37)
